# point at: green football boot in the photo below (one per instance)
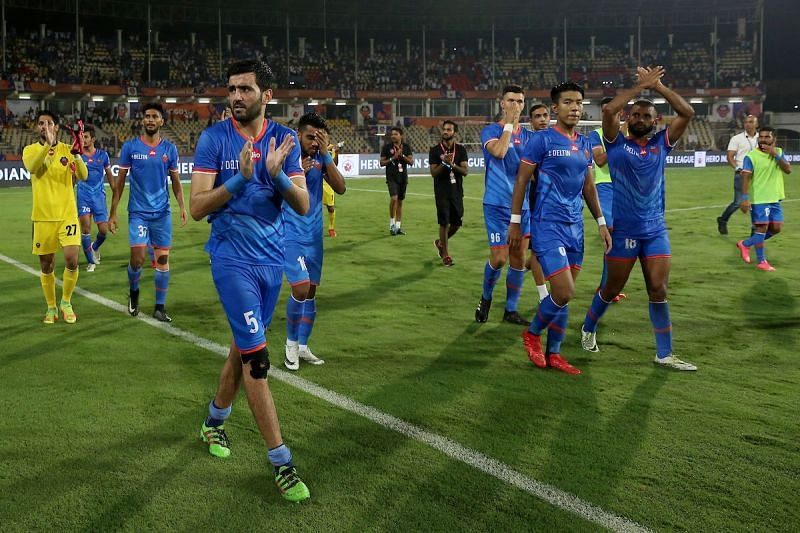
(218, 443)
(291, 486)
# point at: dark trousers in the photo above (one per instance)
(737, 197)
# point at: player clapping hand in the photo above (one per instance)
(276, 156)
(246, 159)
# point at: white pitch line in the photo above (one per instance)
(549, 493)
(676, 210)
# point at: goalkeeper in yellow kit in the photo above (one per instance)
(53, 166)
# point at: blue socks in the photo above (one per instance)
(546, 313)
(86, 244)
(216, 415)
(133, 277)
(307, 322)
(514, 279)
(757, 240)
(490, 277)
(596, 310)
(280, 456)
(99, 240)
(662, 327)
(162, 282)
(294, 313)
(557, 330)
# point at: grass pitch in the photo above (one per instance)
(101, 418)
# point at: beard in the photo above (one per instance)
(247, 114)
(151, 129)
(640, 130)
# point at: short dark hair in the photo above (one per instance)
(644, 102)
(512, 89)
(153, 105)
(555, 92)
(312, 119)
(90, 130)
(767, 128)
(534, 107)
(262, 71)
(47, 113)
(455, 126)
(398, 129)
(605, 100)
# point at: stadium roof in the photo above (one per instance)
(468, 15)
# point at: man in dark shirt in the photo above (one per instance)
(448, 161)
(396, 156)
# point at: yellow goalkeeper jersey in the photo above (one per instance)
(51, 171)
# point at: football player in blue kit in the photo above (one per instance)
(244, 169)
(640, 232)
(92, 198)
(149, 160)
(562, 159)
(303, 261)
(503, 144)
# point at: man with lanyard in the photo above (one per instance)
(396, 156)
(738, 147)
(92, 198)
(448, 161)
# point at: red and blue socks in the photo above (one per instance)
(662, 327)
(514, 280)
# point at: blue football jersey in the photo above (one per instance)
(501, 174)
(249, 228)
(561, 162)
(148, 174)
(97, 163)
(307, 229)
(639, 193)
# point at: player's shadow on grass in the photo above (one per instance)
(769, 306)
(615, 442)
(150, 460)
(382, 289)
(347, 245)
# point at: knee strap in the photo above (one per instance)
(259, 363)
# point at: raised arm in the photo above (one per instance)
(646, 79)
(685, 111)
(332, 174)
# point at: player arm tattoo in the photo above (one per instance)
(600, 156)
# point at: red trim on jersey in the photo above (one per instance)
(304, 282)
(498, 246)
(87, 154)
(565, 134)
(252, 350)
(531, 163)
(125, 167)
(297, 175)
(643, 142)
(658, 256)
(557, 272)
(490, 140)
(662, 330)
(162, 247)
(666, 137)
(247, 137)
(148, 144)
(205, 170)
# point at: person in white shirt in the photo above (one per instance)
(738, 147)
